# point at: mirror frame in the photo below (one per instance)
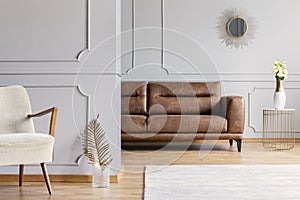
(228, 27)
(230, 40)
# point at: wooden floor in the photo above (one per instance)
(134, 161)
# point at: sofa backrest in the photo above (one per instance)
(183, 97)
(134, 98)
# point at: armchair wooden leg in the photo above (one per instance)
(239, 145)
(46, 177)
(21, 172)
(230, 142)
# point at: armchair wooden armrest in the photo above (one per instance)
(52, 120)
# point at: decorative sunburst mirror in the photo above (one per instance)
(235, 28)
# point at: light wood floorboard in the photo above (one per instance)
(131, 186)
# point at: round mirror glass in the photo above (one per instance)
(237, 27)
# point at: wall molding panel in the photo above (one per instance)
(74, 87)
(43, 47)
(256, 103)
(78, 90)
(77, 55)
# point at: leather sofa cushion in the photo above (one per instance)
(134, 89)
(184, 97)
(187, 124)
(134, 105)
(133, 123)
(134, 99)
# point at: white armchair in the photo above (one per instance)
(19, 143)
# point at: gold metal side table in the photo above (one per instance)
(279, 129)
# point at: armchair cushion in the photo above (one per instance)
(25, 148)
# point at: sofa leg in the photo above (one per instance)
(21, 172)
(239, 145)
(230, 142)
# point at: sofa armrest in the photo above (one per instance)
(233, 108)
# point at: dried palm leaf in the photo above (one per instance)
(95, 145)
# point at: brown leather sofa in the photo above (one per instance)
(180, 111)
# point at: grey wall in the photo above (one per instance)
(64, 52)
(193, 52)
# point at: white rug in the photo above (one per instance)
(221, 182)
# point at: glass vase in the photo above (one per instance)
(101, 177)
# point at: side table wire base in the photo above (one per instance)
(279, 129)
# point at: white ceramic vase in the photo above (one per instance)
(101, 178)
(279, 97)
(279, 100)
